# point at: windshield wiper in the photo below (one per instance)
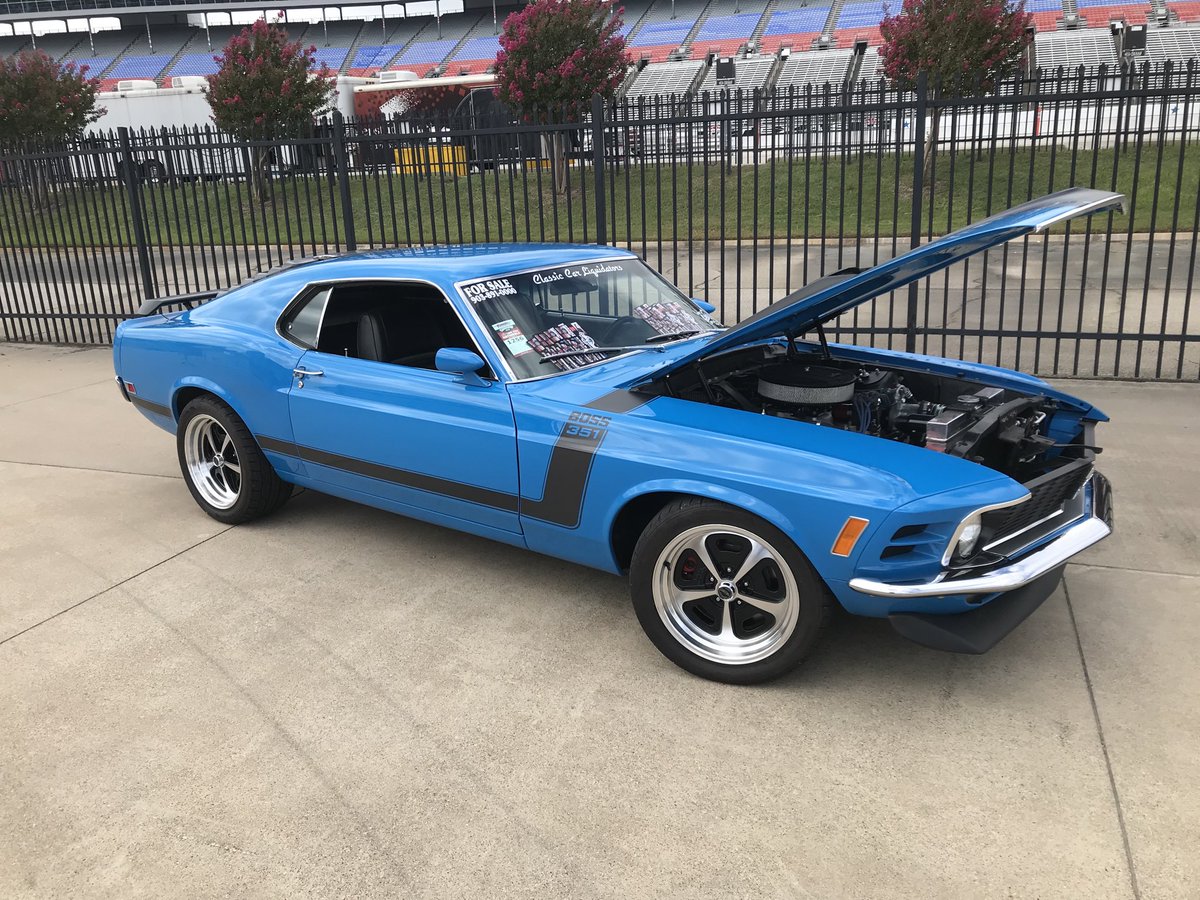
(673, 335)
(584, 350)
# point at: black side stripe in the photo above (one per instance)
(566, 475)
(416, 480)
(571, 465)
(156, 408)
(620, 401)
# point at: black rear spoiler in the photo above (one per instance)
(150, 307)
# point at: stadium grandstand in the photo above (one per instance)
(673, 44)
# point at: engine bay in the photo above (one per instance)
(1002, 429)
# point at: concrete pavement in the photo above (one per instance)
(337, 701)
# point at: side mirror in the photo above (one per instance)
(704, 305)
(464, 363)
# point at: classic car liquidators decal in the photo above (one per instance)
(665, 317)
(566, 474)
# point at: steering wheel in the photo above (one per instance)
(625, 323)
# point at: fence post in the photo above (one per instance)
(598, 168)
(130, 176)
(918, 198)
(341, 163)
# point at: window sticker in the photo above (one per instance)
(566, 337)
(489, 289)
(512, 336)
(667, 317)
(582, 270)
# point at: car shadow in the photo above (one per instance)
(854, 651)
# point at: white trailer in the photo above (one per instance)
(195, 151)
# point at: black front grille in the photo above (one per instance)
(1047, 492)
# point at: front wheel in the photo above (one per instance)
(724, 594)
(225, 470)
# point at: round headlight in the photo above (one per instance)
(968, 538)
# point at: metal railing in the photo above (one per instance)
(738, 198)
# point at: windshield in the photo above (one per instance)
(548, 320)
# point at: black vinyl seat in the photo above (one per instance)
(372, 337)
(415, 345)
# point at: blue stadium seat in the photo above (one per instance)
(719, 28)
(195, 64)
(427, 52)
(798, 21)
(479, 48)
(95, 64)
(140, 66)
(331, 56)
(661, 33)
(375, 56)
(860, 15)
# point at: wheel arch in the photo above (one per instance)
(189, 388)
(634, 510)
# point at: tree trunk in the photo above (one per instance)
(559, 161)
(260, 182)
(931, 140)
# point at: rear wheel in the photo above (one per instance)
(724, 594)
(224, 468)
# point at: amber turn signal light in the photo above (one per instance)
(849, 536)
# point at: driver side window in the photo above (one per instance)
(399, 323)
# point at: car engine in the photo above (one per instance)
(997, 428)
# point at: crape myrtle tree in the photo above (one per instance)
(960, 45)
(43, 102)
(554, 56)
(266, 87)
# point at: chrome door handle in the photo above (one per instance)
(307, 373)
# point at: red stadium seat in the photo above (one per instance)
(654, 54)
(720, 48)
(1187, 12)
(1100, 16)
(469, 66)
(850, 36)
(798, 42)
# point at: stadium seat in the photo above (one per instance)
(194, 64)
(1098, 13)
(796, 28)
(422, 56)
(659, 33)
(1187, 12)
(139, 66)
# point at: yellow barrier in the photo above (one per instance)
(444, 158)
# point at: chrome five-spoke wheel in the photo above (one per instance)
(725, 594)
(212, 461)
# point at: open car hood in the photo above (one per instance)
(832, 295)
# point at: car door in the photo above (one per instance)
(412, 436)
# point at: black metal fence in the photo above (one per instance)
(737, 197)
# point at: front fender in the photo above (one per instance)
(696, 488)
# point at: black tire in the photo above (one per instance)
(260, 491)
(794, 633)
(154, 172)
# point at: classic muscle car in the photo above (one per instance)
(570, 400)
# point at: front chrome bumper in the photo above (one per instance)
(1024, 571)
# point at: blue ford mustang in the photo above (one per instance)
(570, 400)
